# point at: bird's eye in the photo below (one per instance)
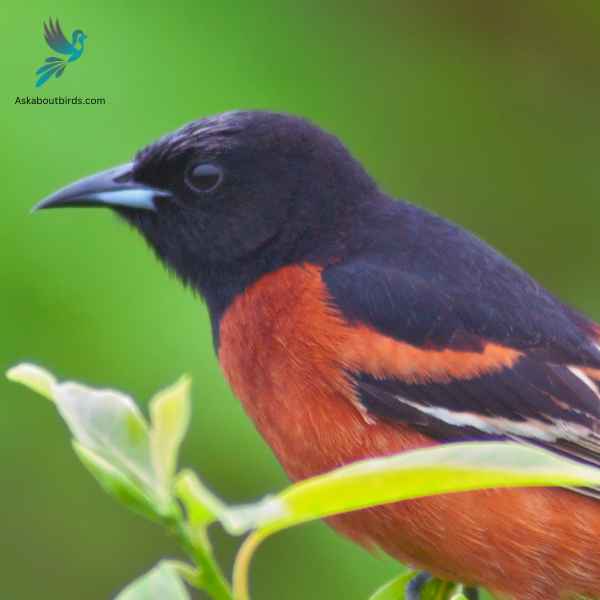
(203, 177)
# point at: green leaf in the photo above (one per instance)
(161, 583)
(187, 572)
(170, 417)
(443, 469)
(34, 377)
(111, 427)
(202, 506)
(116, 484)
(394, 589)
(439, 470)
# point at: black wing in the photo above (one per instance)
(439, 289)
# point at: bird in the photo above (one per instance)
(55, 38)
(351, 325)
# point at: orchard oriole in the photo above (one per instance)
(351, 325)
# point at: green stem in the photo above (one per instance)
(242, 564)
(211, 577)
(444, 588)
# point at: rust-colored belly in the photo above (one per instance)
(285, 352)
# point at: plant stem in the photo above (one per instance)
(242, 564)
(443, 590)
(211, 577)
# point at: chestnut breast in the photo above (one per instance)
(286, 353)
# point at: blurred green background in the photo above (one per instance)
(486, 112)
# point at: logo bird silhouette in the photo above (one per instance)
(57, 41)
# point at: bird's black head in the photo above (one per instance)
(228, 198)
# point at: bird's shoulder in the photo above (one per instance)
(421, 279)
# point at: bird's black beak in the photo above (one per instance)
(114, 188)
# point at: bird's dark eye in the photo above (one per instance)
(203, 177)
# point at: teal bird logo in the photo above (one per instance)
(57, 41)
